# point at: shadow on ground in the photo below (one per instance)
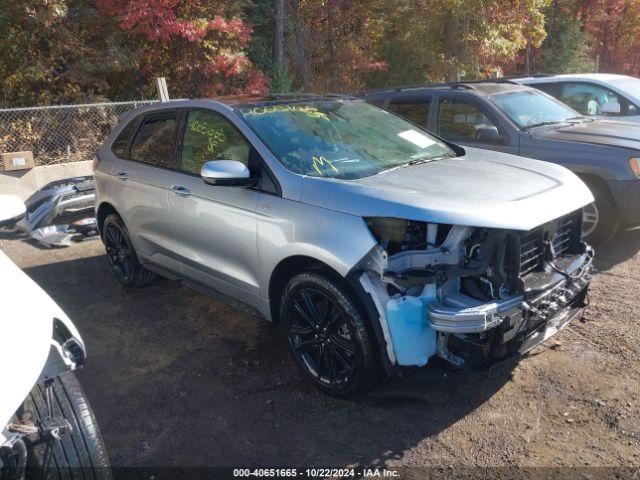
(178, 379)
(623, 246)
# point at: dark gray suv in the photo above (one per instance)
(512, 118)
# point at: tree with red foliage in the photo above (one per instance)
(614, 25)
(199, 46)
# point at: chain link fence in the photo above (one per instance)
(60, 134)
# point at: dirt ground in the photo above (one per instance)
(177, 379)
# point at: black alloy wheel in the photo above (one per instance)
(119, 252)
(122, 256)
(328, 337)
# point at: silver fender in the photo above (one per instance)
(287, 228)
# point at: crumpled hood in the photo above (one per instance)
(482, 188)
(597, 132)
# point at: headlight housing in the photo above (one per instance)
(634, 164)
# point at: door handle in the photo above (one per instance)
(122, 175)
(180, 190)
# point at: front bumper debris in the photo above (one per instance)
(475, 319)
(550, 328)
(559, 292)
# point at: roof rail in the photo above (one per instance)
(535, 75)
(420, 86)
(467, 85)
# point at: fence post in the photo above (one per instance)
(163, 93)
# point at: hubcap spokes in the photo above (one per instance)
(321, 337)
(590, 219)
(118, 251)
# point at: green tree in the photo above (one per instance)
(567, 47)
(436, 40)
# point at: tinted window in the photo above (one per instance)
(550, 88)
(415, 112)
(209, 136)
(630, 86)
(588, 98)
(460, 120)
(154, 143)
(531, 108)
(340, 139)
(120, 146)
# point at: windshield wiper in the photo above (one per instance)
(582, 118)
(542, 124)
(416, 161)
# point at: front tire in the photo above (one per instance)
(329, 337)
(599, 219)
(122, 256)
(80, 453)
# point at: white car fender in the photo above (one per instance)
(28, 352)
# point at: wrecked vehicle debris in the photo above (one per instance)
(372, 241)
(66, 235)
(61, 212)
(480, 292)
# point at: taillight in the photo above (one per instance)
(96, 162)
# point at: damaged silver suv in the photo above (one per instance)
(374, 243)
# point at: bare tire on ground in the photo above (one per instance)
(78, 454)
(122, 256)
(329, 337)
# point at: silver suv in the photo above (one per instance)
(376, 244)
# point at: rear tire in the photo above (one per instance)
(78, 454)
(600, 219)
(122, 256)
(329, 338)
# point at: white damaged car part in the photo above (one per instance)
(45, 420)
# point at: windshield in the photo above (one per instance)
(628, 85)
(531, 108)
(340, 139)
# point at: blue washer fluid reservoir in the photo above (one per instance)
(414, 341)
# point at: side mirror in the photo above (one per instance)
(610, 108)
(489, 134)
(12, 209)
(227, 173)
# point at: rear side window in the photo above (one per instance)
(416, 112)
(155, 141)
(209, 136)
(120, 146)
(588, 98)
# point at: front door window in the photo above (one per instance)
(208, 136)
(463, 121)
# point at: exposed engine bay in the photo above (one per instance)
(466, 294)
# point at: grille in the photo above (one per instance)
(563, 237)
(531, 251)
(564, 234)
